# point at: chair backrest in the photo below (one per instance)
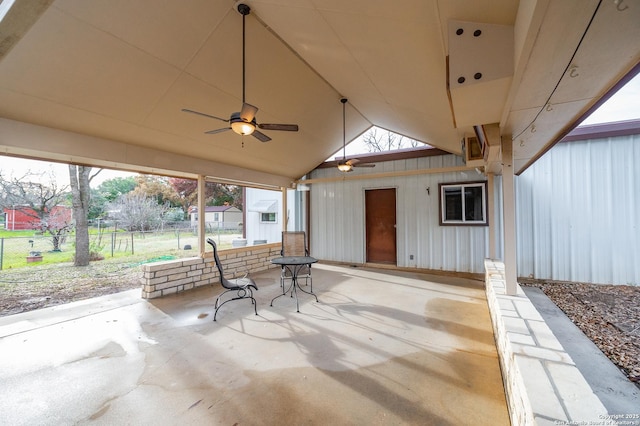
(225, 283)
(294, 243)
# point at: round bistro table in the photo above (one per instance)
(294, 264)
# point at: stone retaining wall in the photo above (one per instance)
(173, 276)
(542, 384)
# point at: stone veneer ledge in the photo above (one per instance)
(173, 276)
(542, 384)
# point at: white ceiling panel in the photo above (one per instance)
(121, 71)
(171, 31)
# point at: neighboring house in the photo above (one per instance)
(264, 220)
(24, 217)
(576, 211)
(218, 217)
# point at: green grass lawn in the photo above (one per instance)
(16, 246)
(13, 234)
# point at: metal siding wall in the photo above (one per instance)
(337, 218)
(626, 180)
(601, 205)
(525, 215)
(577, 211)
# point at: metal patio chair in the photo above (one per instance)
(242, 286)
(294, 243)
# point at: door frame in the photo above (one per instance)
(364, 222)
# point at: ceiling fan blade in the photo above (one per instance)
(248, 112)
(204, 115)
(355, 162)
(213, 132)
(284, 127)
(260, 136)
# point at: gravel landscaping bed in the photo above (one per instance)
(609, 315)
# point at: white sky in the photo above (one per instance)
(624, 105)
(17, 167)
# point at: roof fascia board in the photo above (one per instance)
(44, 143)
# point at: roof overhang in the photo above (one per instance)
(264, 206)
(101, 84)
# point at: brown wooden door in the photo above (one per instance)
(380, 211)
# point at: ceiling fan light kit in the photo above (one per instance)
(344, 167)
(241, 127)
(244, 122)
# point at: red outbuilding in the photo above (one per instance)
(19, 218)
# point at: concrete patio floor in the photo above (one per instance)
(381, 347)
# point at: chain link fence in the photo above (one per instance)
(177, 240)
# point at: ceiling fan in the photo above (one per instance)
(347, 165)
(244, 122)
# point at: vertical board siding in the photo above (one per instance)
(337, 217)
(577, 213)
(578, 210)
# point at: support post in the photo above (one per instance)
(201, 214)
(493, 217)
(509, 216)
(285, 210)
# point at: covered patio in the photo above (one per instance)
(381, 347)
(105, 86)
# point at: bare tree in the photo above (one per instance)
(137, 212)
(80, 178)
(41, 203)
(379, 140)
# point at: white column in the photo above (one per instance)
(509, 216)
(201, 214)
(285, 210)
(493, 216)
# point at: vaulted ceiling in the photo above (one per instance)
(103, 82)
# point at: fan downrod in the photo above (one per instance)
(247, 115)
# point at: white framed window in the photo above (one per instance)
(463, 203)
(268, 217)
(216, 217)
